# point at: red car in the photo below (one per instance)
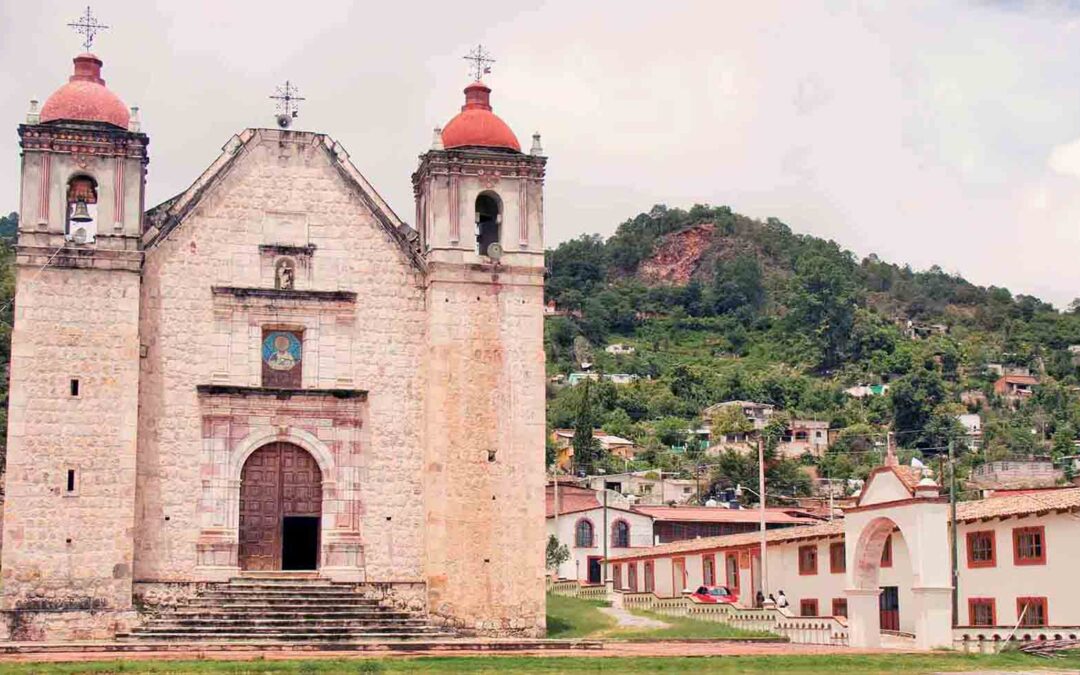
(715, 594)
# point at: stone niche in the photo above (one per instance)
(330, 424)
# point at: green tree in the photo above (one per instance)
(587, 448)
(556, 554)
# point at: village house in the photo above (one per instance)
(1016, 474)
(867, 390)
(972, 423)
(1014, 388)
(577, 519)
(619, 349)
(679, 523)
(647, 487)
(617, 446)
(758, 413)
(885, 565)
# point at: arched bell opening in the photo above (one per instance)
(488, 223)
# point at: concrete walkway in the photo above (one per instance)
(625, 619)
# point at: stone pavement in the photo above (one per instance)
(627, 620)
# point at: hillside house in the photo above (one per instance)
(972, 428)
(622, 448)
(758, 413)
(867, 390)
(1013, 474)
(647, 488)
(619, 349)
(1014, 388)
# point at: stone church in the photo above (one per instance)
(272, 373)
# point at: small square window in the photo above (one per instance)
(839, 607)
(70, 484)
(982, 612)
(1031, 611)
(1029, 546)
(980, 549)
(808, 559)
(808, 607)
(74, 387)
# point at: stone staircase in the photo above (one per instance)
(292, 609)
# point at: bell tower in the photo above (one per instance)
(479, 203)
(70, 486)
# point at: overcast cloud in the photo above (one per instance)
(929, 133)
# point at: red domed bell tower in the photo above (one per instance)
(72, 418)
(479, 206)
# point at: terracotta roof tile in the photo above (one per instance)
(1019, 504)
(732, 540)
(708, 514)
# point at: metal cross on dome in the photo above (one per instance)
(287, 97)
(480, 62)
(87, 25)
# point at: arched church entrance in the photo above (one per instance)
(280, 509)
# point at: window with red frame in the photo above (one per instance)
(1035, 614)
(808, 607)
(982, 612)
(886, 553)
(631, 577)
(648, 576)
(584, 535)
(1029, 546)
(708, 566)
(980, 549)
(837, 559)
(731, 567)
(839, 607)
(620, 534)
(808, 559)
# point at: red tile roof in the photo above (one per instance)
(832, 529)
(707, 514)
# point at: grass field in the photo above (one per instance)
(810, 665)
(574, 618)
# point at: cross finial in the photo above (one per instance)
(87, 25)
(480, 62)
(287, 97)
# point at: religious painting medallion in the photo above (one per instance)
(281, 358)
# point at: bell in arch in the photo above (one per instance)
(81, 214)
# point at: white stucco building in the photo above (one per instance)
(886, 565)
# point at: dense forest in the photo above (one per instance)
(718, 306)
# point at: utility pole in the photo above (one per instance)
(604, 568)
(953, 541)
(761, 509)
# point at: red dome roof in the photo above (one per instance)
(476, 125)
(86, 98)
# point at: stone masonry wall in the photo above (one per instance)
(284, 190)
(71, 550)
(486, 447)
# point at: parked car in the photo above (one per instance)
(715, 594)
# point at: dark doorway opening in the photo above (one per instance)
(594, 570)
(889, 602)
(300, 543)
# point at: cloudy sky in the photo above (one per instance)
(929, 133)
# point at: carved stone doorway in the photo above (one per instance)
(279, 482)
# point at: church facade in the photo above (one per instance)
(271, 372)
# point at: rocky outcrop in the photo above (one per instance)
(678, 256)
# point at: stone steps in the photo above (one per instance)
(289, 609)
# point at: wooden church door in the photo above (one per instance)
(280, 482)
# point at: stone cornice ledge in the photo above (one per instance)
(284, 294)
(277, 392)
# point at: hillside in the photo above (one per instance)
(719, 306)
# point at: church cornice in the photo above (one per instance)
(285, 294)
(83, 140)
(277, 392)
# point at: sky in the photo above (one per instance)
(929, 133)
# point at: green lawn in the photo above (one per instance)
(810, 665)
(574, 618)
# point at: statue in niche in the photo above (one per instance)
(285, 275)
